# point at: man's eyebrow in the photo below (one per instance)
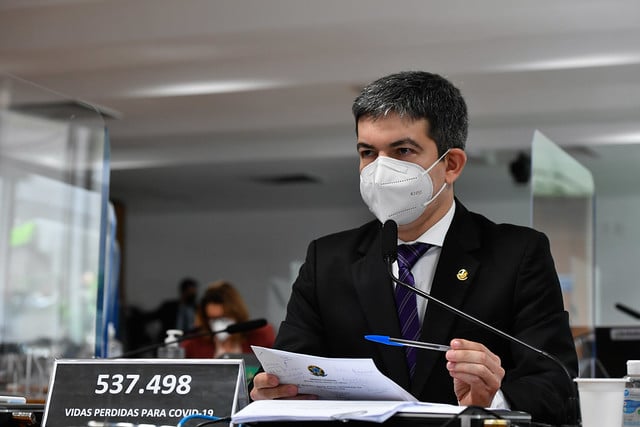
(397, 143)
(360, 145)
(405, 141)
(394, 144)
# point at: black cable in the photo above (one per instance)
(473, 409)
(209, 420)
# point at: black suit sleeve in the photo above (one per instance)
(301, 331)
(535, 384)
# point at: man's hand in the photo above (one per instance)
(477, 372)
(267, 386)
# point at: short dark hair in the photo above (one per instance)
(418, 95)
(187, 283)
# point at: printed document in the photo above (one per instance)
(331, 378)
(336, 410)
(317, 410)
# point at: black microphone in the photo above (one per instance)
(390, 254)
(628, 310)
(249, 325)
(234, 328)
(390, 242)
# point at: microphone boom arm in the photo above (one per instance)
(156, 346)
(628, 310)
(231, 329)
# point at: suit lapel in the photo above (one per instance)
(453, 278)
(375, 293)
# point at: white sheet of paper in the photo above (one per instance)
(331, 378)
(335, 410)
(317, 410)
(431, 408)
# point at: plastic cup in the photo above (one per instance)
(601, 401)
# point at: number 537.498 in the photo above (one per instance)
(130, 383)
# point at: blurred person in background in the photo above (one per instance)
(177, 313)
(221, 306)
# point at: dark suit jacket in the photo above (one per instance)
(343, 292)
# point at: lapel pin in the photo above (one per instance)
(462, 275)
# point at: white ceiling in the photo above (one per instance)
(212, 96)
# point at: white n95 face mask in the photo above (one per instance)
(397, 190)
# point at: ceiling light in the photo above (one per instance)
(612, 138)
(574, 62)
(623, 138)
(203, 88)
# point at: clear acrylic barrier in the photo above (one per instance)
(563, 205)
(53, 204)
(563, 194)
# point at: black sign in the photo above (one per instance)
(143, 391)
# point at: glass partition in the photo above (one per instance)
(53, 204)
(563, 195)
(563, 207)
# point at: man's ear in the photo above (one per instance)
(455, 161)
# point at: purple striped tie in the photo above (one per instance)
(406, 300)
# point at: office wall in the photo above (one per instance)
(253, 249)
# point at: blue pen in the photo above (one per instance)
(383, 339)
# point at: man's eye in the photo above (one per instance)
(366, 153)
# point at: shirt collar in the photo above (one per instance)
(436, 234)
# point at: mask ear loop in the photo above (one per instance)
(435, 195)
(444, 185)
(437, 161)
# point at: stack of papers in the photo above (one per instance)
(332, 410)
(316, 410)
(347, 389)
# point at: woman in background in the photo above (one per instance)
(221, 306)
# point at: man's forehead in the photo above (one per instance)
(395, 128)
(392, 117)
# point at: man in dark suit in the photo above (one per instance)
(177, 313)
(411, 130)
